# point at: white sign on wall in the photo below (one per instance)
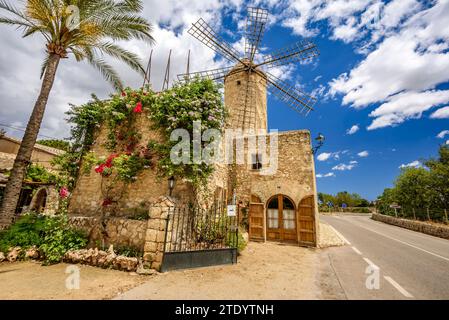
(232, 210)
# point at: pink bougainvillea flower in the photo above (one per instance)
(64, 192)
(138, 108)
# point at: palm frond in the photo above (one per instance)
(115, 51)
(106, 70)
(44, 65)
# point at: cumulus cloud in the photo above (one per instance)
(409, 61)
(413, 164)
(324, 156)
(353, 129)
(442, 113)
(363, 154)
(327, 175)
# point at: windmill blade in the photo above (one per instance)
(255, 27)
(300, 51)
(293, 97)
(204, 33)
(215, 74)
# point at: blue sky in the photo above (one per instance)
(383, 70)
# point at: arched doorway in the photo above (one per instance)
(281, 219)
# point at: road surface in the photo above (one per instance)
(407, 264)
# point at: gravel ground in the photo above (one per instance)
(264, 271)
(31, 281)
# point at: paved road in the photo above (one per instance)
(411, 265)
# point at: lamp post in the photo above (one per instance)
(320, 142)
(171, 185)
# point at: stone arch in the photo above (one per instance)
(281, 217)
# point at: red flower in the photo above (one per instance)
(64, 192)
(100, 168)
(111, 158)
(138, 108)
(123, 94)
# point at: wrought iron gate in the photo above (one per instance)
(199, 237)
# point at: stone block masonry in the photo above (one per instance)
(420, 226)
(156, 233)
(118, 232)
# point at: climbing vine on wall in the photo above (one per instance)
(176, 108)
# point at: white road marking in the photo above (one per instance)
(340, 235)
(371, 263)
(356, 250)
(406, 243)
(398, 287)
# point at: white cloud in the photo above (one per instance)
(353, 162)
(344, 167)
(406, 66)
(413, 164)
(407, 105)
(327, 175)
(363, 154)
(442, 113)
(442, 134)
(324, 156)
(353, 129)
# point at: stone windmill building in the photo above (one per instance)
(280, 204)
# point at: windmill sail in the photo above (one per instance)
(204, 33)
(255, 27)
(299, 52)
(296, 99)
(214, 74)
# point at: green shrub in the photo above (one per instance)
(26, 232)
(52, 235)
(60, 237)
(231, 240)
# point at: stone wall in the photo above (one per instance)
(118, 232)
(420, 226)
(91, 189)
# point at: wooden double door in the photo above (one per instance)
(281, 219)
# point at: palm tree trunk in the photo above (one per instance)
(14, 185)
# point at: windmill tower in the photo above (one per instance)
(246, 83)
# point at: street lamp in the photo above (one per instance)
(171, 184)
(320, 142)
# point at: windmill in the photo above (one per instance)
(246, 82)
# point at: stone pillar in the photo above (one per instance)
(153, 251)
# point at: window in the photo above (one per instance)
(257, 161)
(239, 82)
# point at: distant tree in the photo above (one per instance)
(439, 178)
(54, 143)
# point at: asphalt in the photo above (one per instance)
(409, 265)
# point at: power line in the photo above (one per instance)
(23, 129)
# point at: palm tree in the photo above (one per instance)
(85, 29)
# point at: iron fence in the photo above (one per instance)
(193, 229)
